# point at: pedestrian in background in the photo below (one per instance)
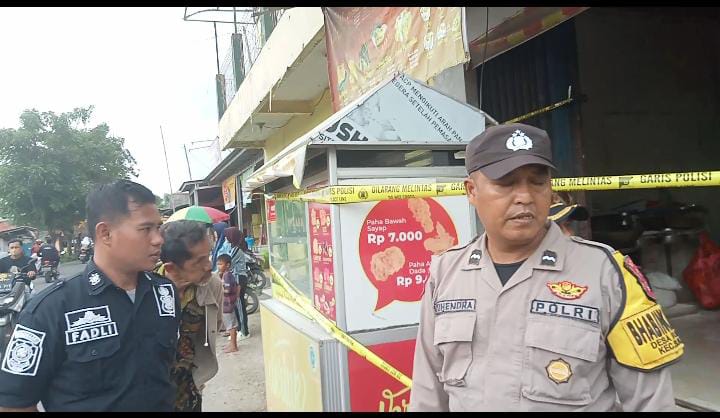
(186, 262)
(230, 296)
(239, 270)
(566, 213)
(219, 230)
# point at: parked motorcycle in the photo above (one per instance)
(257, 280)
(252, 303)
(14, 293)
(49, 270)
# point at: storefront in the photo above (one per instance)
(358, 206)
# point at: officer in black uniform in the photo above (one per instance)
(104, 340)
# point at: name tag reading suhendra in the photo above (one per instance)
(454, 305)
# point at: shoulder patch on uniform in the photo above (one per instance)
(642, 337)
(24, 351)
(165, 299)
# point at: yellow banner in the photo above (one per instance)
(228, 191)
(306, 307)
(638, 181)
(377, 192)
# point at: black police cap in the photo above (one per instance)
(503, 148)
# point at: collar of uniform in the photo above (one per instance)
(552, 242)
(553, 246)
(95, 279)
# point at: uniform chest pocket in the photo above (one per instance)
(89, 364)
(453, 336)
(560, 361)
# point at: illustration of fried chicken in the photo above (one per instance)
(440, 242)
(421, 212)
(385, 263)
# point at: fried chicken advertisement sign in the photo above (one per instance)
(395, 242)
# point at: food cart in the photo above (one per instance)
(356, 208)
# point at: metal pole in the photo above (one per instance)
(235, 18)
(217, 54)
(172, 204)
(188, 162)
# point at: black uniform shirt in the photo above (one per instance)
(8, 262)
(82, 345)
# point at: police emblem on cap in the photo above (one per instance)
(549, 258)
(567, 289)
(165, 298)
(559, 371)
(518, 140)
(94, 279)
(475, 257)
(24, 351)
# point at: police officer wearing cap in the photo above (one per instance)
(525, 318)
(103, 340)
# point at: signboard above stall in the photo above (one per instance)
(365, 44)
(399, 112)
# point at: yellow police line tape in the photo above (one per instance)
(376, 192)
(299, 300)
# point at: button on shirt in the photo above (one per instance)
(536, 343)
(83, 345)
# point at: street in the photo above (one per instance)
(67, 270)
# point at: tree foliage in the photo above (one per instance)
(163, 202)
(50, 163)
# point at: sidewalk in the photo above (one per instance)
(239, 384)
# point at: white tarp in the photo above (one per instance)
(401, 110)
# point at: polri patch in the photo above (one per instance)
(165, 298)
(549, 258)
(567, 290)
(454, 305)
(89, 324)
(475, 257)
(24, 351)
(565, 310)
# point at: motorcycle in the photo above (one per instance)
(14, 293)
(252, 303)
(49, 270)
(257, 280)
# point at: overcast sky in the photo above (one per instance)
(140, 67)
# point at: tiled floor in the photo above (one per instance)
(696, 377)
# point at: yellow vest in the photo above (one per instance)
(642, 338)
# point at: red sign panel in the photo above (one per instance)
(271, 213)
(373, 390)
(397, 240)
(323, 272)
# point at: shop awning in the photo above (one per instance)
(399, 111)
(513, 31)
